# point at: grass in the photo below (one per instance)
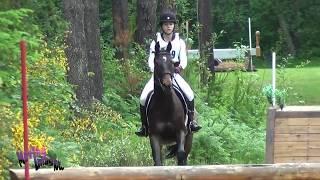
(305, 81)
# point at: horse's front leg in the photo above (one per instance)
(156, 150)
(181, 153)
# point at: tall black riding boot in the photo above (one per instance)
(193, 123)
(143, 129)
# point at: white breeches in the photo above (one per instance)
(177, 79)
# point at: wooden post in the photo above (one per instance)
(258, 50)
(270, 135)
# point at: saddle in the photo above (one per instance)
(180, 95)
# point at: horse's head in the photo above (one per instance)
(163, 67)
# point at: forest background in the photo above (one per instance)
(87, 67)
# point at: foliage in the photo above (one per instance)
(268, 92)
(126, 79)
(105, 21)
(133, 70)
(12, 30)
(232, 112)
(49, 17)
(284, 82)
(228, 134)
(49, 94)
(6, 146)
(98, 142)
(37, 138)
(279, 94)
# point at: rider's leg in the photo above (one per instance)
(143, 129)
(147, 89)
(187, 91)
(193, 123)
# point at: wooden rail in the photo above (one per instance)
(214, 172)
(229, 53)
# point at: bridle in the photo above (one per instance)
(160, 76)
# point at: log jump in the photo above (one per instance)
(215, 172)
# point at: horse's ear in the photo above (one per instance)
(157, 47)
(169, 47)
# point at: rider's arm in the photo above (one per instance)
(151, 56)
(183, 54)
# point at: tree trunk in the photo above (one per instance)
(83, 49)
(146, 21)
(92, 32)
(167, 5)
(205, 34)
(297, 4)
(76, 50)
(284, 26)
(205, 20)
(120, 27)
(286, 33)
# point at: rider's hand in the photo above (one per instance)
(177, 69)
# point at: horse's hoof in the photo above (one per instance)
(181, 156)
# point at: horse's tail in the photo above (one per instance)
(172, 151)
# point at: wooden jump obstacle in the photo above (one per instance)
(214, 172)
(293, 135)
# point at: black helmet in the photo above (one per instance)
(167, 17)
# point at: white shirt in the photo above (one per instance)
(178, 51)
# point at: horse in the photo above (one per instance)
(166, 112)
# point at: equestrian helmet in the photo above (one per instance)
(167, 17)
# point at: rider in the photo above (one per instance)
(179, 57)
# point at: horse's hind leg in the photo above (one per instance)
(156, 150)
(181, 154)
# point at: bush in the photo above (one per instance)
(232, 111)
(225, 140)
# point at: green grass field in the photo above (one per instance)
(305, 81)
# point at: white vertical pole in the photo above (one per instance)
(250, 43)
(273, 78)
(187, 29)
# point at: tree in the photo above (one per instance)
(120, 27)
(205, 33)
(83, 49)
(284, 26)
(167, 5)
(92, 32)
(146, 20)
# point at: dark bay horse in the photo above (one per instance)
(166, 113)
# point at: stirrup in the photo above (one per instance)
(142, 132)
(194, 126)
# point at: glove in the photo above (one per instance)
(177, 69)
